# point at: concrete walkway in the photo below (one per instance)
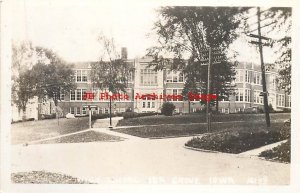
(147, 161)
(123, 135)
(141, 160)
(104, 123)
(256, 152)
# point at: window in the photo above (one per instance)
(84, 95)
(62, 96)
(247, 95)
(78, 75)
(106, 110)
(169, 77)
(225, 98)
(272, 81)
(84, 75)
(148, 77)
(78, 94)
(239, 95)
(96, 95)
(72, 110)
(175, 77)
(144, 104)
(72, 95)
(84, 111)
(289, 101)
(280, 100)
(153, 105)
(225, 110)
(247, 76)
(239, 77)
(77, 110)
(257, 98)
(180, 77)
(257, 78)
(81, 75)
(149, 105)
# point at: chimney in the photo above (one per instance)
(124, 53)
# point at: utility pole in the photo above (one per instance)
(210, 57)
(263, 71)
(208, 91)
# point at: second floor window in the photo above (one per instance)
(256, 78)
(81, 75)
(148, 77)
(239, 95)
(239, 77)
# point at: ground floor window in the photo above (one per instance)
(280, 100)
(84, 111)
(72, 110)
(77, 110)
(225, 110)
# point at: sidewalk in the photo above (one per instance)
(256, 152)
(123, 135)
(104, 123)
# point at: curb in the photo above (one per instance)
(175, 136)
(203, 150)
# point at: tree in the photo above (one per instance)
(185, 32)
(283, 17)
(279, 22)
(112, 74)
(52, 77)
(23, 58)
(22, 88)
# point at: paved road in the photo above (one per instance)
(147, 161)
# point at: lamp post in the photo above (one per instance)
(110, 95)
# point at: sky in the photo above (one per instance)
(71, 28)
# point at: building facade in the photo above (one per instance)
(149, 89)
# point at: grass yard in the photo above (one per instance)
(35, 130)
(42, 177)
(192, 129)
(84, 137)
(200, 118)
(281, 153)
(240, 139)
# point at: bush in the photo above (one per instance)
(281, 153)
(167, 109)
(237, 141)
(52, 116)
(128, 109)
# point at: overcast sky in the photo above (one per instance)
(71, 28)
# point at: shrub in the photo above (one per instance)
(167, 109)
(52, 116)
(128, 109)
(280, 153)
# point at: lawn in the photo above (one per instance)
(42, 177)
(240, 139)
(84, 137)
(35, 130)
(199, 118)
(193, 129)
(281, 153)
